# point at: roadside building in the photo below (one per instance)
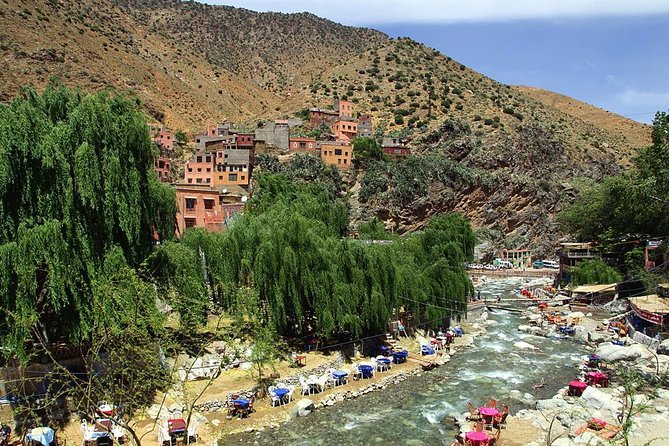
(571, 254)
(336, 153)
(586, 295)
(649, 319)
(519, 258)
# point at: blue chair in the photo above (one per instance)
(426, 350)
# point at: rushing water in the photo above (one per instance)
(416, 410)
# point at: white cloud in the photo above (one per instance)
(636, 98)
(370, 12)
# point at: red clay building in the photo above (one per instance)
(299, 144)
(344, 130)
(245, 140)
(200, 206)
(318, 116)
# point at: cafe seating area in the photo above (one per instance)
(485, 424)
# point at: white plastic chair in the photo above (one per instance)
(355, 372)
(274, 398)
(289, 395)
(306, 387)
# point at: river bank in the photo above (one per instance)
(641, 415)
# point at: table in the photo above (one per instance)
(43, 435)
(301, 360)
(241, 403)
(281, 392)
(339, 375)
(366, 370)
(399, 357)
(598, 378)
(107, 409)
(102, 425)
(488, 411)
(476, 438)
(576, 388)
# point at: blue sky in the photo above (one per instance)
(612, 54)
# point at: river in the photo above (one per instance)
(416, 410)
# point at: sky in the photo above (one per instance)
(612, 54)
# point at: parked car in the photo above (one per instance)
(538, 264)
(552, 264)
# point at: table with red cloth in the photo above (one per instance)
(576, 388)
(488, 413)
(176, 426)
(477, 438)
(598, 378)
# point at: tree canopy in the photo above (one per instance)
(632, 203)
(77, 194)
(594, 272)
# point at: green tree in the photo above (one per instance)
(367, 149)
(594, 272)
(76, 182)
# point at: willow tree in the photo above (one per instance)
(76, 181)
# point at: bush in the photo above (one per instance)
(508, 110)
(399, 119)
(518, 116)
(488, 121)
(477, 118)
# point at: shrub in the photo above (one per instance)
(508, 110)
(488, 121)
(399, 119)
(477, 118)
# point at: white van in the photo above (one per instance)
(551, 264)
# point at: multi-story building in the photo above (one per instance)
(233, 166)
(365, 129)
(336, 153)
(344, 130)
(200, 169)
(344, 109)
(570, 254)
(201, 206)
(163, 165)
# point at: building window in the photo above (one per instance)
(190, 181)
(208, 203)
(198, 180)
(199, 169)
(345, 153)
(190, 169)
(161, 164)
(310, 145)
(220, 177)
(243, 177)
(167, 166)
(198, 159)
(344, 160)
(338, 152)
(208, 180)
(232, 177)
(191, 203)
(189, 222)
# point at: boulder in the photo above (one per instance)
(596, 336)
(595, 398)
(524, 345)
(524, 328)
(551, 404)
(303, 408)
(610, 352)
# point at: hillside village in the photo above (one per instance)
(217, 178)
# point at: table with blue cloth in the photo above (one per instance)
(400, 357)
(241, 403)
(383, 360)
(339, 375)
(281, 392)
(366, 371)
(43, 435)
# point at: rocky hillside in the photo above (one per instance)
(507, 156)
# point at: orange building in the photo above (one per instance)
(344, 130)
(200, 206)
(336, 153)
(233, 166)
(298, 144)
(200, 169)
(163, 165)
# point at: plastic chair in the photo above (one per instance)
(474, 414)
(306, 388)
